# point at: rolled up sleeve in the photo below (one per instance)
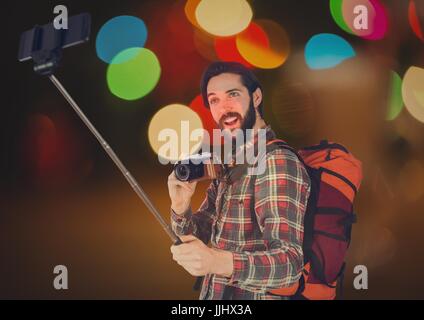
(199, 223)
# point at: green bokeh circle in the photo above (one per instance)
(136, 77)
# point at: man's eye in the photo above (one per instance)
(234, 94)
(213, 101)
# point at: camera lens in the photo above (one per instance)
(182, 172)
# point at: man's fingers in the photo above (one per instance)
(186, 185)
(188, 238)
(192, 184)
(184, 248)
(189, 185)
(186, 257)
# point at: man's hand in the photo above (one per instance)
(180, 193)
(199, 260)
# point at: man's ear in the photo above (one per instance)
(257, 97)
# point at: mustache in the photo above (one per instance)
(229, 115)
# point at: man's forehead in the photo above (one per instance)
(224, 82)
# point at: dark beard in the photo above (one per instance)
(247, 122)
(250, 119)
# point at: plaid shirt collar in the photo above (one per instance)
(233, 171)
(252, 143)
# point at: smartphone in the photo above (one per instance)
(46, 37)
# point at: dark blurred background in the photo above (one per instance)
(62, 200)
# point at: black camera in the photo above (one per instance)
(197, 167)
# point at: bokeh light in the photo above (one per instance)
(379, 24)
(118, 34)
(43, 153)
(134, 78)
(205, 44)
(222, 17)
(413, 92)
(54, 154)
(326, 50)
(176, 123)
(190, 11)
(395, 99)
(414, 21)
(181, 64)
(345, 16)
(226, 50)
(264, 44)
(336, 9)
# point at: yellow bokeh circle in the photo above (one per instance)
(223, 17)
(175, 132)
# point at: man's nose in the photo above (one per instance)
(226, 106)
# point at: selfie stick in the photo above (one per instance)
(46, 60)
(136, 187)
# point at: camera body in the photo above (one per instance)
(197, 167)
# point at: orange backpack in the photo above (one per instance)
(335, 179)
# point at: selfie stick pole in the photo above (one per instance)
(138, 190)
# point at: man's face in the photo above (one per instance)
(230, 102)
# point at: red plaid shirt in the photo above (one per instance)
(266, 246)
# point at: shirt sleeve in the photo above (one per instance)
(199, 223)
(281, 195)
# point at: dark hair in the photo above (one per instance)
(248, 79)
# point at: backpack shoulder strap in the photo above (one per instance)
(270, 146)
(281, 144)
